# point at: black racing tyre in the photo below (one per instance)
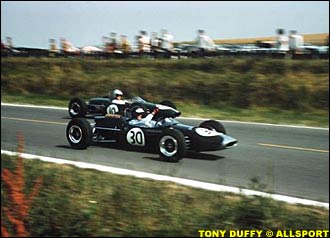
(213, 125)
(77, 108)
(79, 133)
(172, 146)
(168, 103)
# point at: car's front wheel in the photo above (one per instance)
(79, 133)
(213, 125)
(172, 145)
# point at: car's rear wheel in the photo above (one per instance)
(77, 108)
(172, 145)
(79, 133)
(213, 125)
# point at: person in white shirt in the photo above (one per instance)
(113, 42)
(125, 44)
(282, 41)
(167, 41)
(155, 42)
(204, 42)
(144, 42)
(140, 121)
(296, 42)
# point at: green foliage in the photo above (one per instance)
(223, 82)
(80, 202)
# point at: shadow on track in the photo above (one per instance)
(202, 156)
(153, 154)
(64, 147)
(87, 117)
(192, 155)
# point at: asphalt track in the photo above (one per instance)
(292, 161)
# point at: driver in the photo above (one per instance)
(138, 120)
(116, 97)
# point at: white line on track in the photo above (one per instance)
(187, 182)
(33, 106)
(189, 118)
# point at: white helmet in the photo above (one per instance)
(137, 111)
(117, 92)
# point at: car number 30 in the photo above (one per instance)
(135, 136)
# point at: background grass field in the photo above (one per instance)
(257, 89)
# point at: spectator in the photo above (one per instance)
(5, 49)
(296, 42)
(64, 45)
(167, 41)
(3, 46)
(53, 47)
(9, 42)
(113, 42)
(204, 42)
(282, 41)
(106, 43)
(125, 44)
(155, 42)
(138, 43)
(67, 47)
(144, 42)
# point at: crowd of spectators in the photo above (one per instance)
(160, 45)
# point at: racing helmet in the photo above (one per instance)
(117, 92)
(137, 111)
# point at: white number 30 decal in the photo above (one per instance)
(135, 136)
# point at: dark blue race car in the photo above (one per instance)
(104, 105)
(170, 138)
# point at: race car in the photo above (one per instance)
(103, 105)
(170, 138)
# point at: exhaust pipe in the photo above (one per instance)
(228, 142)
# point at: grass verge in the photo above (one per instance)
(81, 202)
(318, 118)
